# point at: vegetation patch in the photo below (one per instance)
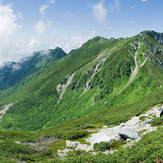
(142, 118)
(75, 153)
(142, 131)
(157, 121)
(103, 146)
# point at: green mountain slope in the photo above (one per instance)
(102, 74)
(105, 82)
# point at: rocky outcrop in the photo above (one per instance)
(104, 135)
(41, 144)
(124, 131)
(154, 50)
(94, 72)
(127, 133)
(134, 72)
(62, 88)
(5, 108)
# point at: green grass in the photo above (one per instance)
(157, 121)
(142, 118)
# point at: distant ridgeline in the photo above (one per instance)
(105, 80)
(12, 72)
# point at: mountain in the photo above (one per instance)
(62, 97)
(102, 74)
(12, 72)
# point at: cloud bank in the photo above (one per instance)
(8, 28)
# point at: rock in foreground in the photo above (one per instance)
(127, 133)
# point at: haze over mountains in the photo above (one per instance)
(13, 72)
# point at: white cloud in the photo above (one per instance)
(132, 7)
(71, 43)
(45, 6)
(40, 27)
(34, 44)
(99, 11)
(16, 67)
(52, 1)
(42, 10)
(144, 0)
(8, 20)
(8, 27)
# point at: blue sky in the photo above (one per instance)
(30, 25)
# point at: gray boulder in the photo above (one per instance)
(127, 133)
(159, 112)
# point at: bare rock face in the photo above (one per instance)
(159, 112)
(127, 133)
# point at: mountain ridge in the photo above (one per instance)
(102, 66)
